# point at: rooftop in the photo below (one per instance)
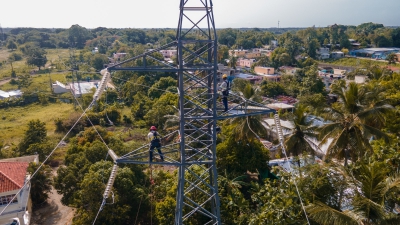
(12, 175)
(278, 106)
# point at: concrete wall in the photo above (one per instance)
(264, 70)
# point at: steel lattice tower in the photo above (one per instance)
(195, 152)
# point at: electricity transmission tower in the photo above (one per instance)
(194, 153)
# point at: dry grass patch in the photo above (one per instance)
(4, 53)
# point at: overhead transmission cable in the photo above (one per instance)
(281, 139)
(45, 160)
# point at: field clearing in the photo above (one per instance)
(56, 54)
(359, 62)
(14, 120)
(4, 53)
(39, 82)
(21, 68)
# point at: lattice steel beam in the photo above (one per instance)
(195, 152)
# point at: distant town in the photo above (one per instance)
(294, 124)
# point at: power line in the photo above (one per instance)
(41, 165)
(281, 138)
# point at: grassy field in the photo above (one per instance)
(358, 62)
(4, 53)
(39, 82)
(21, 68)
(14, 120)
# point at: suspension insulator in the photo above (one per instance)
(102, 84)
(110, 181)
(112, 155)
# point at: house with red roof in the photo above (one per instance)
(13, 176)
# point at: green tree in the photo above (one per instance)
(98, 61)
(160, 108)
(232, 61)
(239, 156)
(77, 36)
(300, 140)
(276, 202)
(392, 58)
(310, 82)
(239, 84)
(223, 53)
(35, 134)
(41, 183)
(142, 104)
(273, 89)
(161, 86)
(311, 47)
(369, 186)
(11, 45)
(36, 57)
(351, 129)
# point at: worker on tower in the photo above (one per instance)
(155, 142)
(224, 87)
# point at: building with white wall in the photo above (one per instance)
(13, 176)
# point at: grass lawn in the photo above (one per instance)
(21, 68)
(14, 120)
(40, 82)
(358, 62)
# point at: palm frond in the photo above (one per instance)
(325, 215)
(378, 134)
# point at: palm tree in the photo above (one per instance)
(300, 140)
(350, 128)
(369, 185)
(232, 61)
(249, 127)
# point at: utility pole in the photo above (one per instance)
(278, 24)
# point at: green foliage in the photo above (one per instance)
(352, 125)
(98, 61)
(163, 106)
(165, 211)
(391, 58)
(299, 142)
(277, 203)
(11, 45)
(237, 157)
(142, 105)
(41, 184)
(280, 57)
(164, 84)
(35, 134)
(248, 91)
(239, 84)
(36, 57)
(77, 36)
(273, 89)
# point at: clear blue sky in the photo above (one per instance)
(228, 13)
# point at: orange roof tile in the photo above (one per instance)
(12, 175)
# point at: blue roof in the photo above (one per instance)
(375, 50)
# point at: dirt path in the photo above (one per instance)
(5, 81)
(53, 213)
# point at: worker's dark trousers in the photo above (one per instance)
(225, 101)
(158, 147)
